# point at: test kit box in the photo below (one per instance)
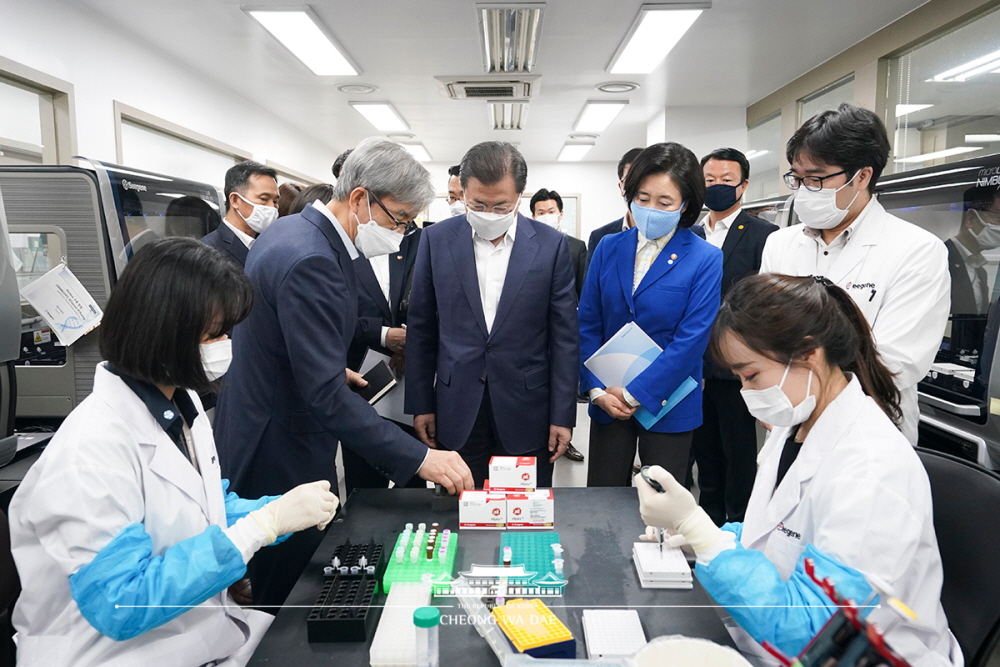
(535, 509)
(482, 509)
(513, 473)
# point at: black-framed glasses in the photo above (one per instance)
(481, 208)
(812, 183)
(396, 223)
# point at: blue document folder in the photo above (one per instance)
(627, 354)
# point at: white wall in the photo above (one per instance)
(702, 129)
(595, 182)
(72, 43)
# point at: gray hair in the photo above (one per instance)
(490, 161)
(385, 169)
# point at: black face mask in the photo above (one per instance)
(721, 197)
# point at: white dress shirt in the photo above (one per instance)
(240, 234)
(491, 268)
(827, 254)
(718, 235)
(380, 266)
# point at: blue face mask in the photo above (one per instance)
(654, 223)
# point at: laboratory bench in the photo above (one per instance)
(596, 526)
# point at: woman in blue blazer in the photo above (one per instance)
(667, 280)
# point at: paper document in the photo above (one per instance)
(65, 304)
(391, 405)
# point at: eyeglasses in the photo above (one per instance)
(396, 223)
(812, 183)
(481, 208)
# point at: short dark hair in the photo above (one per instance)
(320, 191)
(851, 138)
(546, 195)
(490, 161)
(681, 165)
(238, 176)
(980, 198)
(454, 171)
(338, 164)
(287, 192)
(196, 292)
(626, 160)
(730, 155)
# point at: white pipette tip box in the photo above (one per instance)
(612, 633)
(668, 569)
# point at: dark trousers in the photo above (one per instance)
(359, 475)
(613, 447)
(725, 447)
(484, 443)
(274, 570)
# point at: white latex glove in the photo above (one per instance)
(305, 506)
(676, 509)
(676, 540)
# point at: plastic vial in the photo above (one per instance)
(355, 569)
(507, 556)
(343, 569)
(430, 552)
(370, 569)
(421, 527)
(413, 555)
(409, 527)
(335, 562)
(435, 526)
(328, 571)
(557, 549)
(427, 620)
(399, 555)
(362, 562)
(558, 563)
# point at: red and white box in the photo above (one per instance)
(482, 510)
(513, 473)
(535, 509)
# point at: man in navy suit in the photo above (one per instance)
(251, 193)
(286, 402)
(623, 223)
(725, 445)
(493, 316)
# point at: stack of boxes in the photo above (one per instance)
(509, 499)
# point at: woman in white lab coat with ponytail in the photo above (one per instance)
(123, 534)
(837, 482)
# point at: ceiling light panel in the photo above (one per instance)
(382, 115)
(301, 32)
(509, 35)
(574, 152)
(655, 31)
(418, 151)
(982, 138)
(756, 154)
(937, 155)
(597, 115)
(904, 109)
(507, 114)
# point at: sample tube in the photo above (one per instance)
(430, 552)
(507, 556)
(328, 571)
(558, 563)
(435, 526)
(427, 620)
(409, 527)
(421, 527)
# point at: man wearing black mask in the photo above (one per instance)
(725, 445)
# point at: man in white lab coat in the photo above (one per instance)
(896, 272)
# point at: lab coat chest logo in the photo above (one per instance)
(864, 288)
(789, 533)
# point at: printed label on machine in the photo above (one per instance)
(64, 303)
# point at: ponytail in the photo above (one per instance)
(875, 378)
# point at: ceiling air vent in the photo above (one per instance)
(488, 88)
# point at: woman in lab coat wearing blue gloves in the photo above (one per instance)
(837, 482)
(123, 534)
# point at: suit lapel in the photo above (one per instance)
(234, 246)
(463, 254)
(167, 462)
(368, 280)
(522, 256)
(733, 237)
(866, 235)
(626, 264)
(671, 255)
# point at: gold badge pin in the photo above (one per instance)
(674, 256)
(740, 227)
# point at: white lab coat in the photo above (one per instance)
(111, 465)
(858, 492)
(898, 274)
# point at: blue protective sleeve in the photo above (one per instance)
(119, 590)
(786, 613)
(734, 528)
(237, 508)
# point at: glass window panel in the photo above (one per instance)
(32, 259)
(830, 97)
(162, 153)
(764, 150)
(21, 119)
(944, 97)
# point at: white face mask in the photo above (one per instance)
(457, 208)
(988, 237)
(772, 405)
(490, 225)
(818, 210)
(216, 357)
(373, 240)
(261, 217)
(551, 219)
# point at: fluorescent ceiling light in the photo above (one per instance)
(574, 152)
(903, 109)
(382, 115)
(507, 114)
(755, 153)
(300, 32)
(981, 138)
(989, 62)
(509, 36)
(598, 114)
(655, 31)
(418, 151)
(937, 155)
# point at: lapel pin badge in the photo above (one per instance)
(399, 257)
(168, 414)
(740, 227)
(673, 256)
